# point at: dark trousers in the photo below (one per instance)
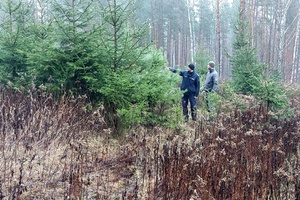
(208, 104)
(189, 97)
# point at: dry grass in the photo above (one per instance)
(56, 149)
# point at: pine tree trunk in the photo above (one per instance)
(242, 10)
(169, 41)
(295, 70)
(263, 33)
(284, 8)
(191, 29)
(218, 53)
(274, 42)
(154, 22)
(176, 48)
(183, 49)
(251, 10)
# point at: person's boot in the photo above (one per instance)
(186, 114)
(186, 118)
(194, 116)
(194, 113)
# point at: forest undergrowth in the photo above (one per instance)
(58, 149)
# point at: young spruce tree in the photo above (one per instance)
(248, 75)
(14, 37)
(245, 70)
(42, 54)
(73, 52)
(129, 79)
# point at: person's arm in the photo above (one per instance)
(205, 83)
(197, 86)
(215, 82)
(173, 69)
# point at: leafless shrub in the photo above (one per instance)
(56, 149)
(242, 156)
(37, 134)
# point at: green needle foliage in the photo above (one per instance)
(129, 79)
(274, 97)
(246, 69)
(13, 39)
(76, 44)
(90, 48)
(137, 95)
(248, 75)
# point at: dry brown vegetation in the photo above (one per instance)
(56, 149)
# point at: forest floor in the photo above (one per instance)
(55, 150)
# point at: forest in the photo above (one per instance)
(90, 109)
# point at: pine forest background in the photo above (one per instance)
(89, 109)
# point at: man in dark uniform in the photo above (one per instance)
(191, 85)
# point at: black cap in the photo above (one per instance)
(191, 66)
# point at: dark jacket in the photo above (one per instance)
(211, 81)
(190, 82)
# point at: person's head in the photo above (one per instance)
(211, 65)
(191, 67)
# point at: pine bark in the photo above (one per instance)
(191, 29)
(295, 71)
(169, 42)
(284, 8)
(154, 22)
(218, 50)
